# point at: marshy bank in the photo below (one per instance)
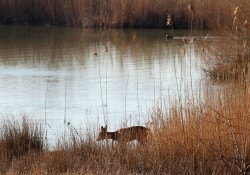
(209, 138)
(137, 13)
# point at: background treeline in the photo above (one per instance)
(121, 13)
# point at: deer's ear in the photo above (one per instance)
(105, 126)
(102, 128)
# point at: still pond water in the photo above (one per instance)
(53, 75)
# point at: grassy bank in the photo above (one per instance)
(211, 137)
(110, 13)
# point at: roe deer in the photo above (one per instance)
(139, 133)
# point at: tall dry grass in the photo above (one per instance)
(119, 13)
(210, 136)
(18, 139)
(228, 58)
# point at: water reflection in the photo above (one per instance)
(53, 72)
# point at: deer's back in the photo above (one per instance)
(139, 133)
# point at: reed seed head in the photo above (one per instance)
(245, 24)
(190, 7)
(105, 49)
(95, 53)
(169, 21)
(235, 10)
(134, 36)
(245, 45)
(184, 39)
(206, 37)
(235, 18)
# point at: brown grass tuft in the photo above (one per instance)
(202, 138)
(18, 139)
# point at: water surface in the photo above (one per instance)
(53, 75)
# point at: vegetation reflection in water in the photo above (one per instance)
(52, 73)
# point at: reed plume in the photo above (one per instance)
(134, 37)
(245, 24)
(95, 53)
(170, 23)
(105, 49)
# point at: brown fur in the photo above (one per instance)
(139, 133)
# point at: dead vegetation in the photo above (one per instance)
(211, 137)
(137, 13)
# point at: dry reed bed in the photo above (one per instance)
(229, 58)
(209, 138)
(110, 13)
